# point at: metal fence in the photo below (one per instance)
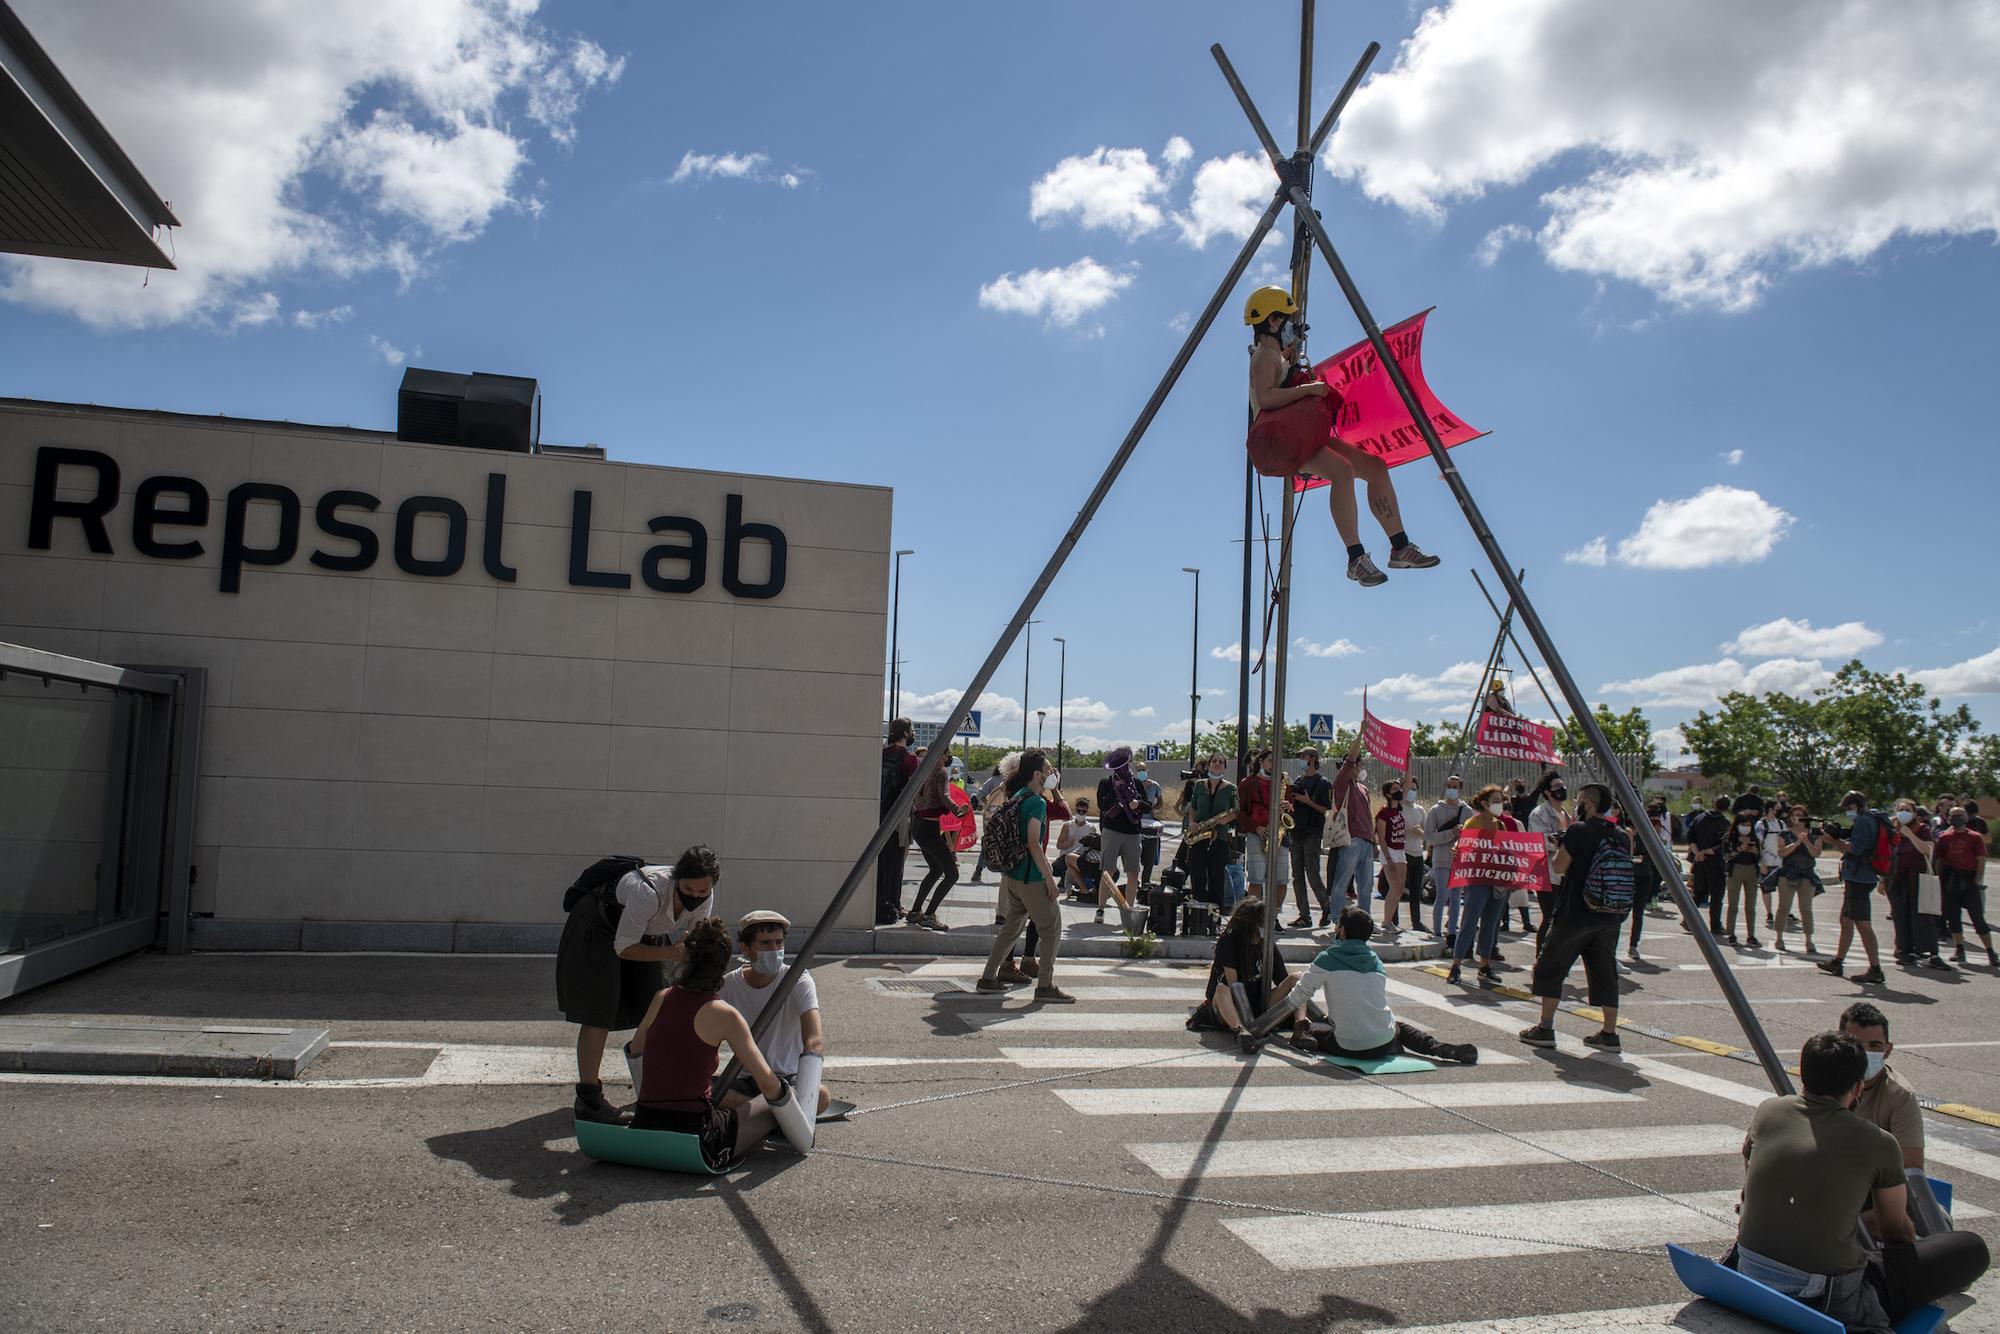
(1428, 772)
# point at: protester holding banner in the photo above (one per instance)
(934, 802)
(1549, 819)
(1350, 866)
(1485, 889)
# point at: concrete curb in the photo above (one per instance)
(215, 1051)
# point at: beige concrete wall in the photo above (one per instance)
(382, 746)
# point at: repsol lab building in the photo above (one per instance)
(279, 686)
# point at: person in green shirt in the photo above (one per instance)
(1029, 890)
(1207, 861)
(1811, 1165)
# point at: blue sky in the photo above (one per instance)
(850, 242)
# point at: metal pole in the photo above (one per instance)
(895, 632)
(1479, 686)
(1243, 642)
(1027, 668)
(899, 809)
(1621, 785)
(1062, 685)
(1194, 663)
(1516, 641)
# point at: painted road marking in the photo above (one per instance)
(1070, 1021)
(1087, 992)
(1345, 1096)
(1097, 1058)
(971, 967)
(1424, 1153)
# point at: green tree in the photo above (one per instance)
(1629, 734)
(1438, 739)
(1903, 741)
(1734, 743)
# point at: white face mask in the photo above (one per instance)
(769, 962)
(1875, 1060)
(1496, 807)
(1041, 781)
(1905, 817)
(1451, 794)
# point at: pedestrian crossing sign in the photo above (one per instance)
(970, 727)
(1321, 727)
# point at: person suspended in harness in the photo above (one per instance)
(1293, 432)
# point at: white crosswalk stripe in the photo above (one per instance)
(1346, 1096)
(1432, 1153)
(1076, 1021)
(1101, 968)
(1095, 1058)
(1185, 995)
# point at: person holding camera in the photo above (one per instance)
(1798, 878)
(1858, 882)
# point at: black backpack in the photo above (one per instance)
(600, 878)
(892, 777)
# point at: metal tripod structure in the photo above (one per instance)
(1294, 178)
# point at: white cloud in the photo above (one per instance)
(1339, 648)
(386, 350)
(1497, 240)
(1086, 712)
(938, 704)
(1063, 295)
(252, 311)
(1732, 457)
(1974, 676)
(1700, 685)
(1671, 744)
(1457, 681)
(756, 168)
(1210, 692)
(267, 154)
(1229, 195)
(1721, 525)
(1593, 552)
(1114, 189)
(1813, 135)
(1230, 652)
(1785, 637)
(313, 319)
(1146, 712)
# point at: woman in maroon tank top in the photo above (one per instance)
(679, 1038)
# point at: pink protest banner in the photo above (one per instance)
(1387, 743)
(965, 827)
(1507, 738)
(1371, 415)
(1501, 857)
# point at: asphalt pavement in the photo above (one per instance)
(1089, 1167)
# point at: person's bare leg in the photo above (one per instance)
(590, 1053)
(1107, 892)
(1866, 930)
(1339, 475)
(1845, 939)
(1225, 1010)
(1397, 873)
(1381, 493)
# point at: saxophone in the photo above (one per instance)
(1205, 831)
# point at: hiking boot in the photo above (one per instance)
(1603, 1041)
(1832, 967)
(1873, 975)
(1011, 974)
(1410, 556)
(991, 984)
(1362, 571)
(1054, 996)
(1461, 1053)
(591, 1106)
(1540, 1035)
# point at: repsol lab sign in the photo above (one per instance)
(168, 511)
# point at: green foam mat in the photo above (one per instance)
(661, 1150)
(1383, 1065)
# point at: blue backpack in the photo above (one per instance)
(1608, 884)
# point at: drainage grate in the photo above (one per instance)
(916, 986)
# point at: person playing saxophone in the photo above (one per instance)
(1214, 800)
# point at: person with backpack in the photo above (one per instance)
(1595, 863)
(1866, 855)
(1646, 880)
(1028, 888)
(627, 920)
(1707, 832)
(898, 767)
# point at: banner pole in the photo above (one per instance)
(1514, 639)
(1620, 783)
(899, 809)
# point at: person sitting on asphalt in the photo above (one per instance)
(611, 959)
(677, 1042)
(1811, 1167)
(760, 937)
(1236, 990)
(1886, 1099)
(1350, 975)
(1085, 868)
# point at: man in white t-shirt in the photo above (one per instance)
(760, 937)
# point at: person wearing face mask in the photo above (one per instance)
(1858, 881)
(1886, 1099)
(1485, 901)
(760, 937)
(1254, 798)
(1549, 818)
(1312, 798)
(1391, 833)
(1746, 857)
(1348, 975)
(1213, 797)
(1961, 858)
(1441, 825)
(1028, 891)
(1646, 882)
(1350, 871)
(610, 963)
(1811, 1168)
(1916, 932)
(1577, 930)
(1149, 835)
(1291, 432)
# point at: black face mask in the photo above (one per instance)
(688, 904)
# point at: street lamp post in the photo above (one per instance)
(1062, 684)
(1194, 663)
(895, 632)
(1027, 667)
(1041, 719)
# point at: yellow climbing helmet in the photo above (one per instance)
(1266, 302)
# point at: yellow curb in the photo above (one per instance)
(1588, 1012)
(1965, 1113)
(1703, 1044)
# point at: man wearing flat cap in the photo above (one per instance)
(760, 938)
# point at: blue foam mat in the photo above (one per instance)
(1383, 1065)
(1719, 1283)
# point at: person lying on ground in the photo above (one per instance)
(677, 1044)
(1811, 1166)
(1292, 432)
(1237, 993)
(760, 936)
(1349, 975)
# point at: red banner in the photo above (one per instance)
(1385, 742)
(966, 826)
(1508, 738)
(1500, 857)
(1372, 416)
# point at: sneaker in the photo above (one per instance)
(1462, 1053)
(1010, 973)
(931, 923)
(1362, 571)
(591, 1106)
(1937, 963)
(1453, 975)
(1305, 924)
(915, 919)
(1498, 957)
(1031, 967)
(1245, 1043)
(1958, 955)
(894, 919)
(1754, 943)
(992, 984)
(1633, 954)
(1541, 1035)
(1729, 939)
(1832, 967)
(1810, 951)
(1100, 917)
(1410, 556)
(1873, 975)
(1603, 1041)
(1993, 958)
(1054, 996)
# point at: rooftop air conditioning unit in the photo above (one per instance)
(480, 410)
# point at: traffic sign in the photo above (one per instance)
(1321, 727)
(970, 727)
(1152, 751)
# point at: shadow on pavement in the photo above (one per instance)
(537, 1160)
(766, 1247)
